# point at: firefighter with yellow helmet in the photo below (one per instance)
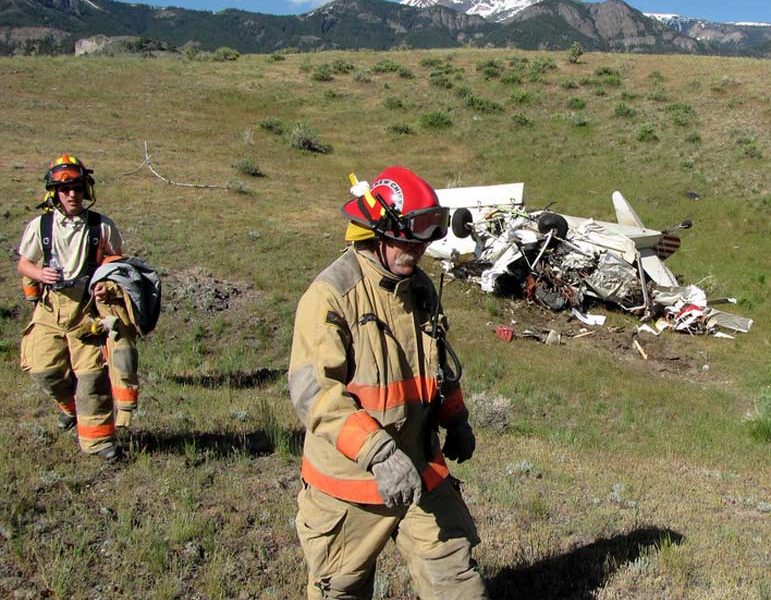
(58, 253)
(373, 380)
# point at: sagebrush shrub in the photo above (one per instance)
(342, 66)
(484, 105)
(436, 119)
(431, 61)
(303, 137)
(386, 66)
(362, 76)
(760, 419)
(247, 166)
(519, 96)
(224, 53)
(624, 110)
(322, 73)
(512, 78)
(272, 125)
(521, 120)
(647, 133)
(399, 129)
(392, 102)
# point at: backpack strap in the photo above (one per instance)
(94, 237)
(94, 223)
(47, 235)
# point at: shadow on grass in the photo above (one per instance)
(256, 443)
(231, 379)
(576, 575)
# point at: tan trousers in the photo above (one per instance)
(342, 541)
(122, 355)
(69, 369)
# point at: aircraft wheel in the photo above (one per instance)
(461, 223)
(553, 222)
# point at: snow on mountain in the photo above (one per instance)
(750, 24)
(493, 10)
(672, 20)
(677, 21)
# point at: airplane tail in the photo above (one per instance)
(651, 258)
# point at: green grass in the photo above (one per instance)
(597, 472)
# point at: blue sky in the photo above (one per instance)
(715, 10)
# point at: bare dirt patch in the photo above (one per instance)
(667, 354)
(203, 291)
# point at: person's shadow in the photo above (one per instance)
(576, 575)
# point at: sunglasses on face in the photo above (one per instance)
(66, 189)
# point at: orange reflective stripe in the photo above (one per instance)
(435, 473)
(396, 393)
(122, 394)
(364, 491)
(355, 432)
(31, 291)
(111, 258)
(452, 405)
(94, 432)
(68, 406)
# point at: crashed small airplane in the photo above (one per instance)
(562, 262)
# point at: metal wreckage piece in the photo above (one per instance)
(563, 262)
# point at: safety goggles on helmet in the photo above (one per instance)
(66, 169)
(399, 205)
(68, 172)
(63, 174)
(426, 225)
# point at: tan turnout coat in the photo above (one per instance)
(364, 367)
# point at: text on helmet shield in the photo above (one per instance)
(396, 192)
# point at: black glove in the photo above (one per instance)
(459, 443)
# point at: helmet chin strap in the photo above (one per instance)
(380, 253)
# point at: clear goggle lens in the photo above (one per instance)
(429, 224)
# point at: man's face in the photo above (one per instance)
(71, 198)
(402, 257)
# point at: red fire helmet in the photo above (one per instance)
(401, 206)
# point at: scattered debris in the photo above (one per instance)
(562, 262)
(505, 333)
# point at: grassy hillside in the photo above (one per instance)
(598, 473)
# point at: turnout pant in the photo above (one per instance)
(342, 541)
(122, 355)
(69, 369)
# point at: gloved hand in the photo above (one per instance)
(459, 443)
(123, 418)
(398, 481)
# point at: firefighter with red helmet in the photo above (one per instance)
(58, 253)
(373, 380)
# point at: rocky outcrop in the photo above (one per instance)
(92, 45)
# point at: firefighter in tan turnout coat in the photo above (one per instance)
(372, 378)
(59, 251)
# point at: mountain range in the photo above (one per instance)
(66, 26)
